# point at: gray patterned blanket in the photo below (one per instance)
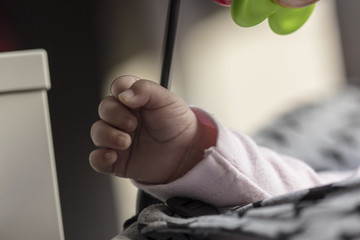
(327, 137)
(330, 212)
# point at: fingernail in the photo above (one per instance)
(126, 95)
(129, 124)
(120, 141)
(110, 156)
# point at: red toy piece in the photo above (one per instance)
(225, 3)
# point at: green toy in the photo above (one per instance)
(248, 13)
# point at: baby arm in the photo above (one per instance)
(150, 135)
(147, 133)
(236, 171)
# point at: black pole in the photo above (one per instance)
(170, 35)
(144, 199)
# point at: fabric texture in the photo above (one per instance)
(329, 212)
(324, 135)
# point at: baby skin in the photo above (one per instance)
(147, 133)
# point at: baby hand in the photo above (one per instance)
(146, 133)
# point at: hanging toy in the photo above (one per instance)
(225, 3)
(284, 16)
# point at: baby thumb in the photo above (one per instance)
(147, 94)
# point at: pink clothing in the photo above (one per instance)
(236, 171)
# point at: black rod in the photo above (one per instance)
(170, 35)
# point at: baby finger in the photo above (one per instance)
(104, 135)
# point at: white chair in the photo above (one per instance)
(29, 201)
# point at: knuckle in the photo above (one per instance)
(115, 85)
(92, 156)
(105, 104)
(93, 159)
(94, 130)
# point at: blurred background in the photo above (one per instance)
(245, 77)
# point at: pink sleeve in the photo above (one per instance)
(236, 171)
